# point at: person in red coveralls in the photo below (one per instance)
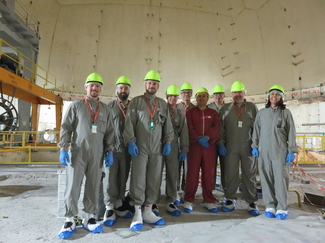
(204, 129)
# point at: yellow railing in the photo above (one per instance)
(39, 147)
(28, 69)
(29, 147)
(311, 148)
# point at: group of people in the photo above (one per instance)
(188, 139)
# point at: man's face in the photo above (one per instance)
(202, 99)
(151, 86)
(93, 89)
(238, 97)
(122, 91)
(172, 99)
(275, 97)
(219, 97)
(186, 94)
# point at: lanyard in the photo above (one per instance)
(239, 114)
(94, 116)
(121, 108)
(172, 115)
(152, 112)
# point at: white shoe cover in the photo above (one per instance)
(150, 218)
(281, 214)
(92, 225)
(211, 207)
(109, 217)
(188, 208)
(269, 212)
(137, 221)
(67, 229)
(173, 210)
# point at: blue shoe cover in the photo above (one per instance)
(156, 213)
(128, 215)
(136, 227)
(174, 213)
(254, 212)
(65, 234)
(225, 209)
(159, 222)
(98, 229)
(177, 202)
(109, 222)
(269, 215)
(212, 210)
(281, 216)
(186, 210)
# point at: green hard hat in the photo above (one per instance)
(152, 75)
(94, 77)
(123, 80)
(172, 90)
(218, 89)
(186, 86)
(201, 90)
(277, 87)
(237, 86)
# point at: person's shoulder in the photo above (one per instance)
(112, 102)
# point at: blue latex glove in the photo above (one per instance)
(203, 140)
(109, 159)
(133, 149)
(182, 156)
(222, 150)
(290, 157)
(255, 152)
(167, 149)
(64, 157)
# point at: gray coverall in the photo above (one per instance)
(183, 164)
(179, 145)
(86, 152)
(274, 136)
(114, 183)
(221, 158)
(238, 141)
(147, 166)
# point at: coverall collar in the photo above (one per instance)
(91, 100)
(149, 97)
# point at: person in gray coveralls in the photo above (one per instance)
(114, 183)
(235, 144)
(148, 132)
(274, 143)
(87, 128)
(180, 147)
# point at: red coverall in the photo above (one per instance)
(201, 123)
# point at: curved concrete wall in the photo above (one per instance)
(204, 42)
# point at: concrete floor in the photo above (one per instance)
(29, 210)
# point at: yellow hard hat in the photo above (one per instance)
(237, 86)
(277, 87)
(186, 86)
(123, 80)
(94, 77)
(172, 90)
(201, 90)
(152, 75)
(218, 89)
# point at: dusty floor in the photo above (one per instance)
(29, 209)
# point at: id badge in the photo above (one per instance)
(240, 124)
(94, 128)
(151, 125)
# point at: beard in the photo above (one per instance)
(152, 92)
(123, 96)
